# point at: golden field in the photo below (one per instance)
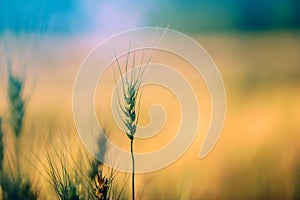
(256, 156)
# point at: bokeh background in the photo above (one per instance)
(256, 46)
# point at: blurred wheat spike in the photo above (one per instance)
(16, 102)
(102, 184)
(18, 186)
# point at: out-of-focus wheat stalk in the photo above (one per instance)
(16, 102)
(102, 181)
(16, 108)
(1, 147)
(15, 186)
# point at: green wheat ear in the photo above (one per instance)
(131, 85)
(16, 102)
(129, 111)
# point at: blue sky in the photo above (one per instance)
(78, 16)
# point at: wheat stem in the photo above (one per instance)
(133, 168)
(129, 111)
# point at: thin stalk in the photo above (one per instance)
(17, 151)
(133, 167)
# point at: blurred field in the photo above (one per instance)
(257, 154)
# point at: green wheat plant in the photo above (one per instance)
(19, 188)
(101, 183)
(16, 102)
(65, 174)
(73, 180)
(100, 154)
(16, 108)
(131, 94)
(17, 111)
(64, 186)
(15, 186)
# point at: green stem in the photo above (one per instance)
(132, 158)
(17, 151)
